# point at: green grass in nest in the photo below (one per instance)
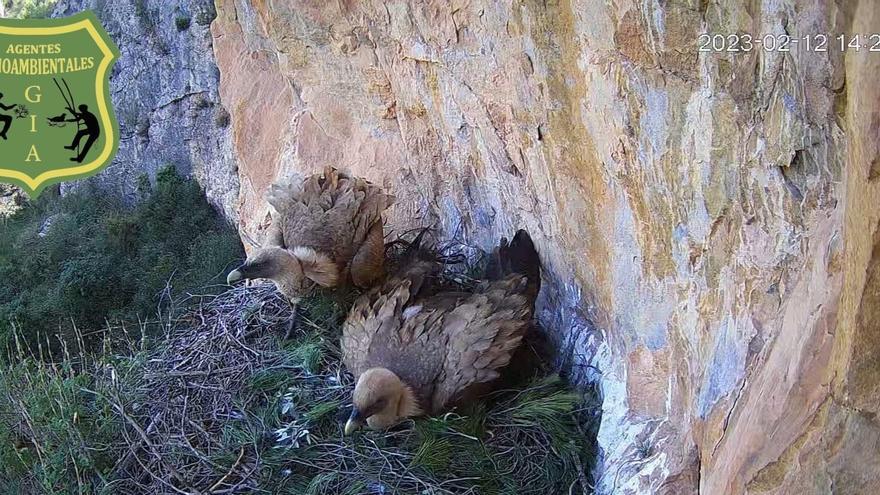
(532, 439)
(222, 402)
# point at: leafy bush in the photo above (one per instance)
(182, 22)
(221, 118)
(206, 14)
(218, 402)
(85, 259)
(29, 9)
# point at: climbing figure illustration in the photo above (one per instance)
(91, 129)
(6, 119)
(86, 123)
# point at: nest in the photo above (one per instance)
(221, 402)
(194, 388)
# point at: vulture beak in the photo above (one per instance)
(355, 422)
(233, 277)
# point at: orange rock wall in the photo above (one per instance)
(708, 221)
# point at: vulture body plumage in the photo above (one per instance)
(416, 351)
(326, 230)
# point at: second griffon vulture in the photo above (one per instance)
(326, 231)
(415, 351)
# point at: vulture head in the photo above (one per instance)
(381, 400)
(293, 271)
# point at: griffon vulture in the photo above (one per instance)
(326, 230)
(416, 351)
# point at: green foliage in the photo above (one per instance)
(182, 22)
(29, 9)
(59, 429)
(538, 439)
(433, 455)
(506, 449)
(202, 102)
(85, 258)
(272, 408)
(221, 118)
(270, 380)
(537, 407)
(149, 19)
(206, 14)
(142, 125)
(307, 354)
(140, 10)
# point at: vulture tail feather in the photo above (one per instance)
(517, 256)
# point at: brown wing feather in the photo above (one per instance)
(449, 345)
(331, 212)
(443, 347)
(370, 313)
(386, 327)
(483, 332)
(274, 235)
(368, 263)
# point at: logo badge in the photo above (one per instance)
(56, 118)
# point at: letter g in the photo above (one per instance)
(33, 98)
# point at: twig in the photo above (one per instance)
(228, 474)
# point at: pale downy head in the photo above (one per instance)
(294, 271)
(380, 400)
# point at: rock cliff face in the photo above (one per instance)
(708, 221)
(11, 199)
(164, 90)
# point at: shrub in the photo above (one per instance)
(86, 258)
(221, 118)
(202, 102)
(142, 127)
(206, 14)
(220, 404)
(140, 11)
(182, 22)
(29, 9)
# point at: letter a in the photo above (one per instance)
(33, 153)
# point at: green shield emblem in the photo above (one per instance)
(56, 118)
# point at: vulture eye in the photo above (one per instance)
(375, 408)
(256, 269)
